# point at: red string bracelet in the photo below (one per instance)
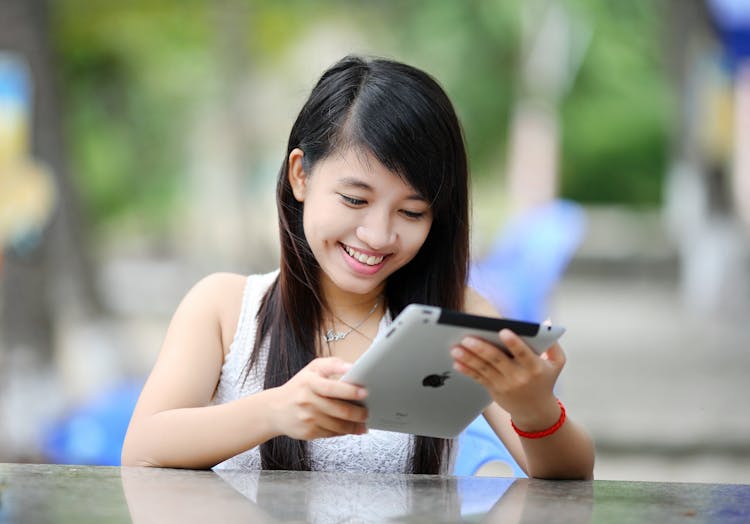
(545, 432)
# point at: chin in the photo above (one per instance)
(361, 288)
(359, 285)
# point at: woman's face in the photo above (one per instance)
(362, 221)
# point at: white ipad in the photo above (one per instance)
(408, 372)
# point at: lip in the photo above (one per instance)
(360, 268)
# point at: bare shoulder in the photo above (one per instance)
(219, 296)
(189, 364)
(219, 283)
(476, 304)
(217, 290)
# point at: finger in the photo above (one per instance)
(491, 350)
(326, 387)
(335, 426)
(329, 366)
(470, 372)
(481, 351)
(479, 359)
(342, 410)
(318, 432)
(516, 346)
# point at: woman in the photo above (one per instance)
(373, 211)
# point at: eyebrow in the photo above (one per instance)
(357, 183)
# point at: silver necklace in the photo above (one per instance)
(334, 336)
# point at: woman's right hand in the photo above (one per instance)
(315, 404)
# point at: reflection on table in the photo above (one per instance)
(50, 493)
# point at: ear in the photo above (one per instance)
(297, 176)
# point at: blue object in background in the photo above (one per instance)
(517, 277)
(732, 19)
(529, 258)
(15, 83)
(478, 445)
(93, 433)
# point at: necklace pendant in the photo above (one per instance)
(332, 336)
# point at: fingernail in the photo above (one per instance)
(361, 392)
(456, 352)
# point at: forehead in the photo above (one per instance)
(358, 168)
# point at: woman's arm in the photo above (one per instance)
(174, 425)
(522, 386)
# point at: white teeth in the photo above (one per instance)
(365, 259)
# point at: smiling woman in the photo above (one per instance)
(373, 206)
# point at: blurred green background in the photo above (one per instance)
(133, 74)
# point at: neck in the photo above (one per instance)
(347, 305)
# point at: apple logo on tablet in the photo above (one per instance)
(435, 381)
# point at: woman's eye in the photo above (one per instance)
(352, 201)
(416, 215)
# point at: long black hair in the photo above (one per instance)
(403, 118)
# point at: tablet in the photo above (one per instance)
(408, 372)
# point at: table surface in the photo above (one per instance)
(55, 493)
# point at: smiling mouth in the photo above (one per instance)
(363, 258)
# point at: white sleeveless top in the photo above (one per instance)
(376, 451)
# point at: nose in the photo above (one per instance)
(377, 233)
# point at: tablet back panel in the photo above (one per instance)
(408, 372)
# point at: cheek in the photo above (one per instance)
(307, 224)
(315, 230)
(415, 237)
(320, 224)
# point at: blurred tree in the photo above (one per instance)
(55, 272)
(134, 73)
(615, 118)
(129, 75)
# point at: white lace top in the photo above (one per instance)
(376, 451)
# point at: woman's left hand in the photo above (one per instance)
(519, 380)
